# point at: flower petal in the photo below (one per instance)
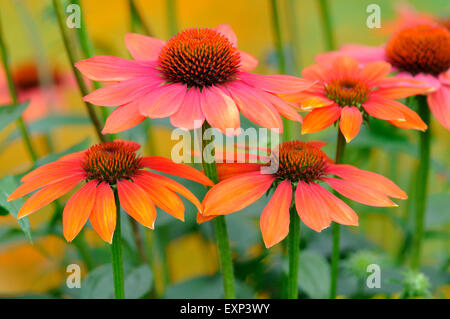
(412, 119)
(286, 110)
(359, 193)
(47, 195)
(227, 170)
(190, 115)
(77, 210)
(439, 102)
(274, 221)
(236, 193)
(367, 179)
(321, 118)
(103, 215)
(350, 122)
(375, 71)
(381, 108)
(227, 31)
(64, 165)
(277, 83)
(167, 166)
(162, 101)
(219, 109)
(123, 118)
(135, 201)
(142, 47)
(109, 68)
(248, 61)
(363, 53)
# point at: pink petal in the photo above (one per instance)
(142, 47)
(162, 101)
(219, 109)
(363, 53)
(277, 83)
(190, 115)
(123, 118)
(248, 61)
(284, 108)
(227, 31)
(439, 103)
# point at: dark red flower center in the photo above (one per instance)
(111, 161)
(300, 161)
(26, 77)
(420, 49)
(347, 92)
(199, 57)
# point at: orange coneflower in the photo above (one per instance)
(416, 52)
(105, 168)
(302, 168)
(198, 75)
(348, 92)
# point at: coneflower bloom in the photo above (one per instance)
(104, 168)
(349, 93)
(198, 75)
(420, 52)
(303, 167)
(29, 88)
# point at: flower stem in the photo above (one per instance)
(70, 50)
(220, 226)
(116, 254)
(293, 251)
(14, 97)
(326, 22)
(336, 227)
(422, 182)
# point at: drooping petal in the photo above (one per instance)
(412, 119)
(135, 201)
(321, 118)
(359, 193)
(163, 197)
(367, 179)
(163, 101)
(310, 208)
(167, 166)
(283, 107)
(78, 209)
(219, 109)
(255, 107)
(121, 93)
(277, 83)
(350, 122)
(228, 32)
(190, 115)
(274, 221)
(62, 166)
(103, 215)
(379, 108)
(248, 61)
(109, 68)
(236, 193)
(439, 102)
(227, 170)
(142, 47)
(123, 118)
(47, 195)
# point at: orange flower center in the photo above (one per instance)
(347, 92)
(111, 161)
(420, 49)
(199, 57)
(300, 161)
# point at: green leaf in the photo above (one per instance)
(7, 185)
(313, 274)
(99, 284)
(10, 113)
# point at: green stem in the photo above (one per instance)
(172, 21)
(422, 182)
(70, 50)
(340, 147)
(326, 22)
(14, 97)
(116, 255)
(293, 251)
(220, 226)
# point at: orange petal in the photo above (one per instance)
(77, 210)
(375, 71)
(202, 218)
(345, 66)
(103, 215)
(163, 197)
(359, 193)
(400, 92)
(227, 170)
(274, 220)
(381, 109)
(310, 208)
(69, 167)
(167, 166)
(236, 193)
(367, 179)
(135, 201)
(412, 119)
(350, 122)
(47, 195)
(123, 118)
(321, 118)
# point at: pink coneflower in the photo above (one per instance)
(198, 75)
